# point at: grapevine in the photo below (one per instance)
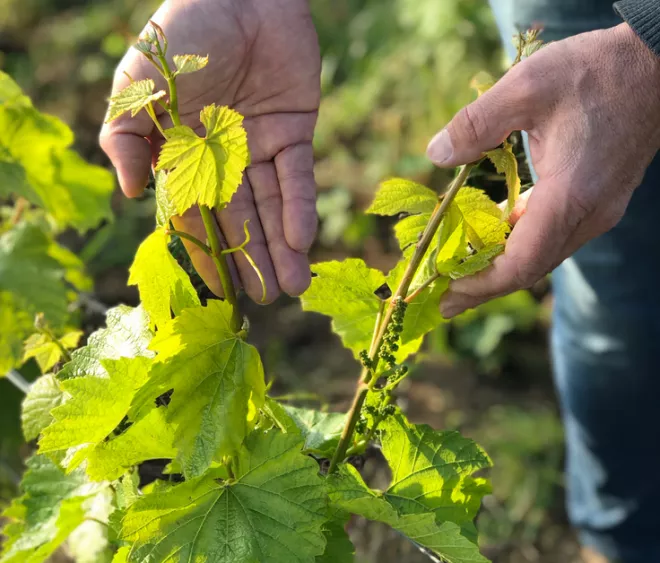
(248, 479)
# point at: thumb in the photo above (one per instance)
(124, 139)
(482, 125)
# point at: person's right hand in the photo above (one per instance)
(591, 107)
(264, 62)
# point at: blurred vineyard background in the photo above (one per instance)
(394, 71)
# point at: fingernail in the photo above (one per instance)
(440, 149)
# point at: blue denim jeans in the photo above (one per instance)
(606, 342)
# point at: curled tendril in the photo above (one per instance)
(242, 248)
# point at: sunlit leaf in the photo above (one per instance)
(46, 352)
(402, 196)
(505, 163)
(164, 286)
(205, 170)
(133, 98)
(189, 63)
(217, 381)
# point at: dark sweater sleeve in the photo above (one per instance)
(644, 18)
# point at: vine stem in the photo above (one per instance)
(401, 293)
(208, 219)
(221, 266)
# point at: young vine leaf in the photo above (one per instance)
(205, 170)
(44, 395)
(51, 507)
(186, 64)
(398, 195)
(133, 98)
(35, 163)
(16, 324)
(505, 163)
(46, 352)
(345, 291)
(164, 286)
(218, 384)
(321, 430)
(31, 274)
(127, 335)
(93, 408)
(152, 437)
(272, 511)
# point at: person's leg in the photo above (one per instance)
(605, 339)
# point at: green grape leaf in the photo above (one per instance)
(409, 229)
(165, 209)
(452, 239)
(454, 543)
(321, 430)
(477, 262)
(205, 170)
(10, 92)
(46, 352)
(482, 217)
(189, 63)
(13, 178)
(164, 286)
(482, 82)
(36, 164)
(433, 470)
(277, 414)
(450, 541)
(77, 194)
(52, 506)
(93, 408)
(121, 556)
(15, 326)
(25, 130)
(345, 292)
(150, 438)
(403, 196)
(218, 384)
(74, 268)
(27, 271)
(127, 335)
(505, 163)
(272, 512)
(133, 98)
(423, 312)
(44, 395)
(339, 548)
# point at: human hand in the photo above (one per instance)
(591, 107)
(264, 62)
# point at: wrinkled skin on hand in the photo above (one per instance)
(265, 63)
(591, 107)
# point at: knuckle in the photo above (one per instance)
(526, 272)
(471, 124)
(580, 208)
